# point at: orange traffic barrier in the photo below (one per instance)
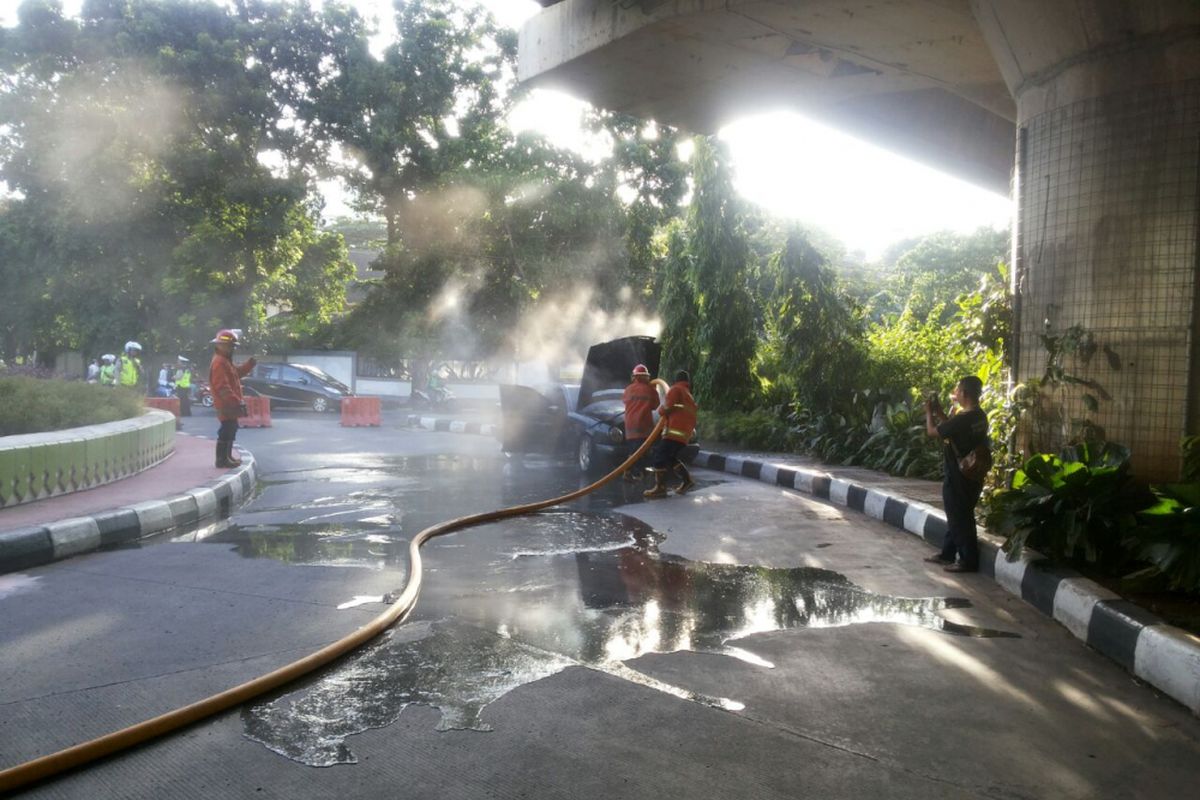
(258, 413)
(361, 412)
(165, 403)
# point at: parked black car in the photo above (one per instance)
(586, 421)
(296, 385)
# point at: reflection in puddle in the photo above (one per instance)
(491, 626)
(16, 582)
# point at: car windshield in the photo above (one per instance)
(324, 376)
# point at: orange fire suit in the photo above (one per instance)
(225, 383)
(640, 399)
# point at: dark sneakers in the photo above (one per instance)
(960, 568)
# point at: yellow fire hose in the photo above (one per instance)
(76, 756)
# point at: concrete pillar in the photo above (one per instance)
(1108, 214)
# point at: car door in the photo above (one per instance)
(266, 380)
(533, 421)
(296, 386)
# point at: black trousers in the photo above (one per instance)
(666, 453)
(185, 401)
(228, 430)
(960, 497)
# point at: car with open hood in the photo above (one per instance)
(585, 421)
(296, 386)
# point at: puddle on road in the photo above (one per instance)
(536, 595)
(15, 583)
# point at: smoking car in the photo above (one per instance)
(584, 421)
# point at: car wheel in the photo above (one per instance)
(586, 454)
(320, 405)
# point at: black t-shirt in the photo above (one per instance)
(967, 430)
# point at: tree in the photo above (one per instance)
(813, 338)
(720, 258)
(138, 140)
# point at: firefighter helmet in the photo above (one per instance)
(640, 369)
(226, 336)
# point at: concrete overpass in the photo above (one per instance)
(1087, 111)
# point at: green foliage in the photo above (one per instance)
(677, 303)
(1168, 538)
(140, 139)
(37, 405)
(811, 350)
(1081, 504)
(720, 260)
(760, 429)
(1190, 451)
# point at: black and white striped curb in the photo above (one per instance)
(1164, 656)
(34, 545)
(450, 425)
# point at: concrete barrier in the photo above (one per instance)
(39, 465)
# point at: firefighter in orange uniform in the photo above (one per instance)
(225, 383)
(680, 410)
(640, 399)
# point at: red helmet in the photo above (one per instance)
(226, 336)
(640, 369)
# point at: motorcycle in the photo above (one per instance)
(437, 398)
(204, 395)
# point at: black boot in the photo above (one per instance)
(687, 482)
(223, 450)
(660, 485)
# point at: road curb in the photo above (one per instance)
(449, 425)
(1162, 655)
(35, 545)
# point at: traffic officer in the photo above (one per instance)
(129, 369)
(679, 408)
(640, 398)
(108, 372)
(225, 382)
(183, 386)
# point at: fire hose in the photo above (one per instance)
(48, 766)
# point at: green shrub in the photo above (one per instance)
(1081, 504)
(761, 429)
(1168, 539)
(32, 405)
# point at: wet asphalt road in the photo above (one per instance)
(741, 641)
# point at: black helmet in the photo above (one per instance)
(683, 376)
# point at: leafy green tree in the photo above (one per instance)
(140, 141)
(677, 303)
(812, 350)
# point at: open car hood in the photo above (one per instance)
(609, 365)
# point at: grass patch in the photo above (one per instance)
(35, 405)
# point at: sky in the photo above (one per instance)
(794, 167)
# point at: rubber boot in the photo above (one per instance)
(660, 485)
(631, 475)
(687, 482)
(223, 448)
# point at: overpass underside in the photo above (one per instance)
(1088, 112)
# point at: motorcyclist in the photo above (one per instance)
(108, 371)
(129, 368)
(183, 386)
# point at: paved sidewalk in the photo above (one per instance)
(183, 490)
(191, 465)
(1164, 656)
